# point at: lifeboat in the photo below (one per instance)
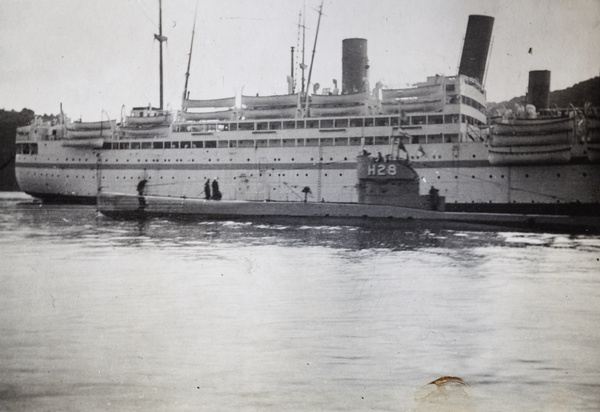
(105, 124)
(272, 113)
(157, 119)
(593, 138)
(360, 110)
(213, 115)
(533, 126)
(498, 140)
(278, 100)
(90, 130)
(339, 99)
(209, 103)
(138, 132)
(87, 134)
(529, 155)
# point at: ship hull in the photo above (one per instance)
(462, 173)
(124, 206)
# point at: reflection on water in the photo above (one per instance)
(192, 315)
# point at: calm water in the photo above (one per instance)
(97, 314)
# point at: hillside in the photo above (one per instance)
(9, 121)
(577, 95)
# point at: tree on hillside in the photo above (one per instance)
(9, 121)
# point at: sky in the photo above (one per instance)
(99, 57)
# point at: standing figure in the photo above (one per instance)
(140, 189)
(216, 194)
(434, 198)
(207, 189)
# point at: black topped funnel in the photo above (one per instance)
(476, 47)
(538, 92)
(355, 66)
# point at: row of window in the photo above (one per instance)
(249, 143)
(261, 143)
(325, 123)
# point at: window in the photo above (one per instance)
(385, 121)
(262, 126)
(233, 126)
(246, 126)
(274, 125)
(146, 145)
(223, 143)
(261, 143)
(312, 124)
(312, 142)
(210, 144)
(419, 119)
(274, 143)
(435, 138)
(341, 141)
(157, 145)
(356, 122)
(289, 124)
(382, 140)
(451, 118)
(123, 146)
(435, 119)
(368, 140)
(368, 122)
(341, 122)
(327, 124)
(245, 143)
(300, 124)
(327, 142)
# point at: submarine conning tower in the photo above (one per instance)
(355, 66)
(538, 91)
(476, 47)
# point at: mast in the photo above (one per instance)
(160, 39)
(303, 66)
(292, 71)
(312, 59)
(187, 73)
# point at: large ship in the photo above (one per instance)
(304, 147)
